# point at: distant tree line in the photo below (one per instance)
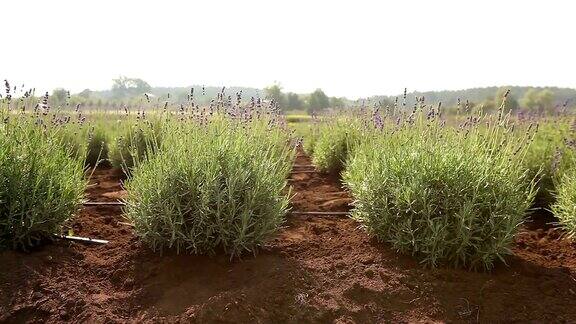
(536, 99)
(130, 92)
(313, 102)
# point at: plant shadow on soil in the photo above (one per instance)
(317, 269)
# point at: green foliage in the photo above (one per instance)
(333, 143)
(450, 97)
(564, 180)
(318, 100)
(445, 195)
(511, 102)
(129, 87)
(86, 93)
(127, 93)
(488, 105)
(87, 143)
(538, 100)
(274, 92)
(565, 206)
(308, 133)
(293, 101)
(98, 142)
(548, 158)
(59, 97)
(40, 185)
(310, 140)
(136, 143)
(212, 187)
(337, 102)
(72, 140)
(298, 118)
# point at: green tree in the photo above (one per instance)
(274, 92)
(538, 100)
(488, 105)
(294, 101)
(59, 97)
(85, 93)
(318, 100)
(511, 101)
(337, 102)
(546, 99)
(530, 99)
(76, 100)
(129, 87)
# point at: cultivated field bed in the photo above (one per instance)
(318, 268)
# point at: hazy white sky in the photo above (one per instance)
(347, 48)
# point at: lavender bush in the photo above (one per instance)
(447, 195)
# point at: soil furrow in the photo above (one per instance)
(317, 269)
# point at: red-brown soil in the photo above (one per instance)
(317, 269)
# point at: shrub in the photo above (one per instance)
(309, 142)
(40, 185)
(137, 142)
(565, 206)
(333, 144)
(72, 140)
(548, 157)
(211, 187)
(97, 149)
(451, 196)
(308, 132)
